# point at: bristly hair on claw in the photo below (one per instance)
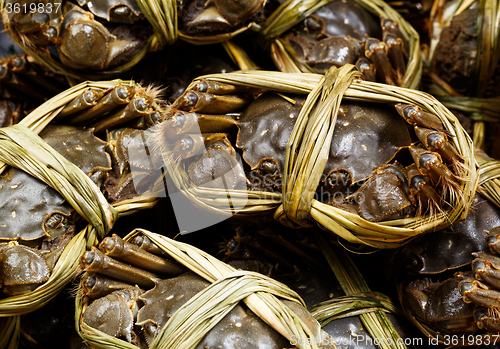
(159, 138)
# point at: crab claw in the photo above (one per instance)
(376, 51)
(384, 194)
(414, 115)
(430, 164)
(212, 103)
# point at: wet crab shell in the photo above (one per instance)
(366, 136)
(30, 209)
(425, 271)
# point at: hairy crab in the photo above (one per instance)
(198, 18)
(106, 36)
(37, 221)
(437, 289)
(342, 32)
(406, 167)
(145, 295)
(24, 84)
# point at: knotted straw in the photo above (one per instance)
(306, 157)
(161, 15)
(22, 148)
(292, 12)
(193, 320)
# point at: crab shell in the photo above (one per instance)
(29, 208)
(366, 136)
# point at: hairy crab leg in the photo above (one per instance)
(139, 106)
(396, 56)
(438, 142)
(221, 88)
(423, 192)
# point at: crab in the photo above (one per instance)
(152, 296)
(22, 76)
(219, 16)
(385, 161)
(37, 222)
(437, 289)
(85, 40)
(342, 32)
(482, 288)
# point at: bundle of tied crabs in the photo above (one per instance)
(385, 161)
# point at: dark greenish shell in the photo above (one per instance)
(29, 208)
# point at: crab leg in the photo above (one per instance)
(127, 252)
(430, 164)
(493, 240)
(376, 51)
(86, 99)
(365, 67)
(220, 88)
(487, 321)
(486, 267)
(438, 142)
(96, 285)
(414, 115)
(94, 260)
(396, 56)
(142, 241)
(423, 192)
(182, 122)
(477, 292)
(212, 103)
(118, 96)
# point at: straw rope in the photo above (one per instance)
(306, 156)
(192, 321)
